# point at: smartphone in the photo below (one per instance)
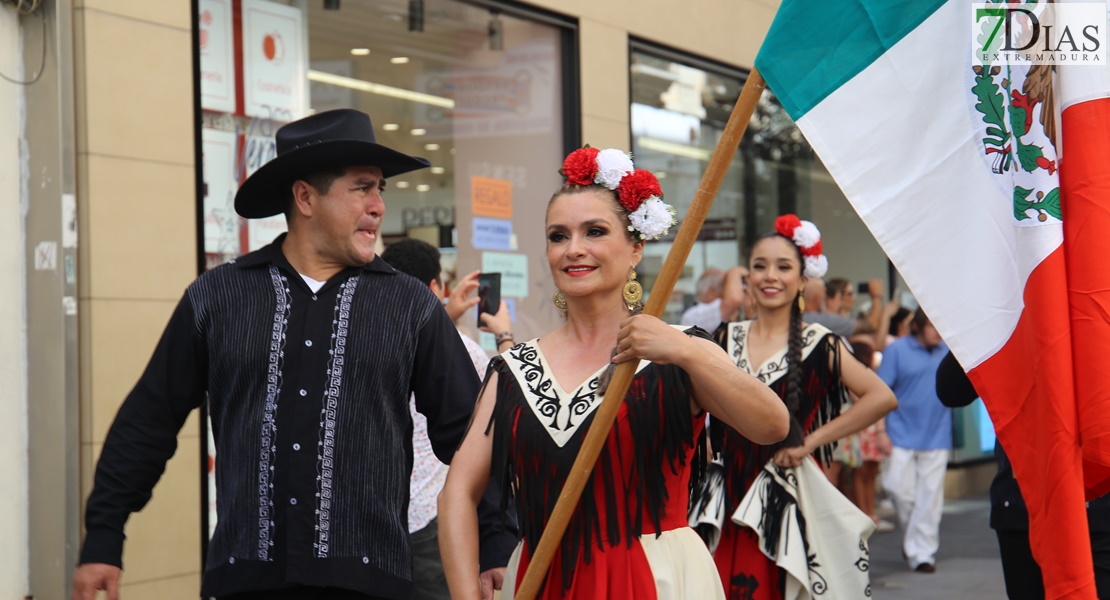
(863, 288)
(489, 294)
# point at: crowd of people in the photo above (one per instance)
(370, 450)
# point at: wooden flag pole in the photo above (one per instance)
(622, 377)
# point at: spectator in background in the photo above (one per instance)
(862, 452)
(899, 324)
(840, 298)
(815, 311)
(707, 312)
(421, 260)
(920, 430)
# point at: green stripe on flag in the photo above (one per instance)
(815, 47)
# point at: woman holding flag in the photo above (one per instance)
(629, 536)
(806, 366)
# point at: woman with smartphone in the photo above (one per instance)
(808, 367)
(629, 535)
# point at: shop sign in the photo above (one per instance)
(492, 234)
(274, 66)
(217, 57)
(513, 269)
(513, 98)
(221, 223)
(491, 197)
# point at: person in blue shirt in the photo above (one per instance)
(920, 430)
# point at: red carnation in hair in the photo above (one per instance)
(814, 250)
(637, 186)
(580, 166)
(786, 224)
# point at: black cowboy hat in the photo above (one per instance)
(326, 140)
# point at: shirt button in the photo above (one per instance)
(231, 560)
(293, 501)
(314, 297)
(304, 393)
(365, 560)
(308, 343)
(1006, 504)
(296, 446)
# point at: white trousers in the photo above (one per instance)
(915, 481)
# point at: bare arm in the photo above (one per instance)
(875, 316)
(458, 502)
(728, 393)
(875, 400)
(460, 299)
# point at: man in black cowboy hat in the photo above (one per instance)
(307, 350)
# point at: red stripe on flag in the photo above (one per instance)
(1085, 183)
(1029, 392)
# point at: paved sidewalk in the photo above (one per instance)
(968, 566)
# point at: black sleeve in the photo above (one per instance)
(444, 383)
(953, 386)
(497, 535)
(144, 436)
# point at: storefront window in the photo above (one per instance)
(477, 91)
(679, 110)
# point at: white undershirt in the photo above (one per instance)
(312, 283)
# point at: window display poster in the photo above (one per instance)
(513, 269)
(274, 69)
(492, 234)
(217, 56)
(491, 197)
(221, 223)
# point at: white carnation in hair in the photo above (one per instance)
(612, 165)
(653, 219)
(806, 235)
(816, 266)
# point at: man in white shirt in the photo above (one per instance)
(421, 260)
(707, 312)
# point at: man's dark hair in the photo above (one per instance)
(414, 257)
(919, 321)
(319, 180)
(897, 319)
(836, 286)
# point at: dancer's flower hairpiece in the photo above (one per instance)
(637, 189)
(807, 238)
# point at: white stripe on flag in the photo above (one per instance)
(900, 141)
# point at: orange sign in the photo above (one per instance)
(491, 197)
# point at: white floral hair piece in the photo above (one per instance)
(637, 190)
(653, 219)
(807, 238)
(816, 266)
(612, 166)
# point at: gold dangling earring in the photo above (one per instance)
(633, 292)
(801, 303)
(560, 301)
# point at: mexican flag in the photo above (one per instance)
(953, 164)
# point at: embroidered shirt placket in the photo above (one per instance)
(269, 428)
(325, 462)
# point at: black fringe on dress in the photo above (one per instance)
(532, 469)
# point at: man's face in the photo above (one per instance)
(344, 222)
(929, 337)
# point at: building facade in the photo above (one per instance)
(129, 125)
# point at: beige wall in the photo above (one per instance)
(136, 199)
(13, 339)
(728, 31)
(136, 203)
